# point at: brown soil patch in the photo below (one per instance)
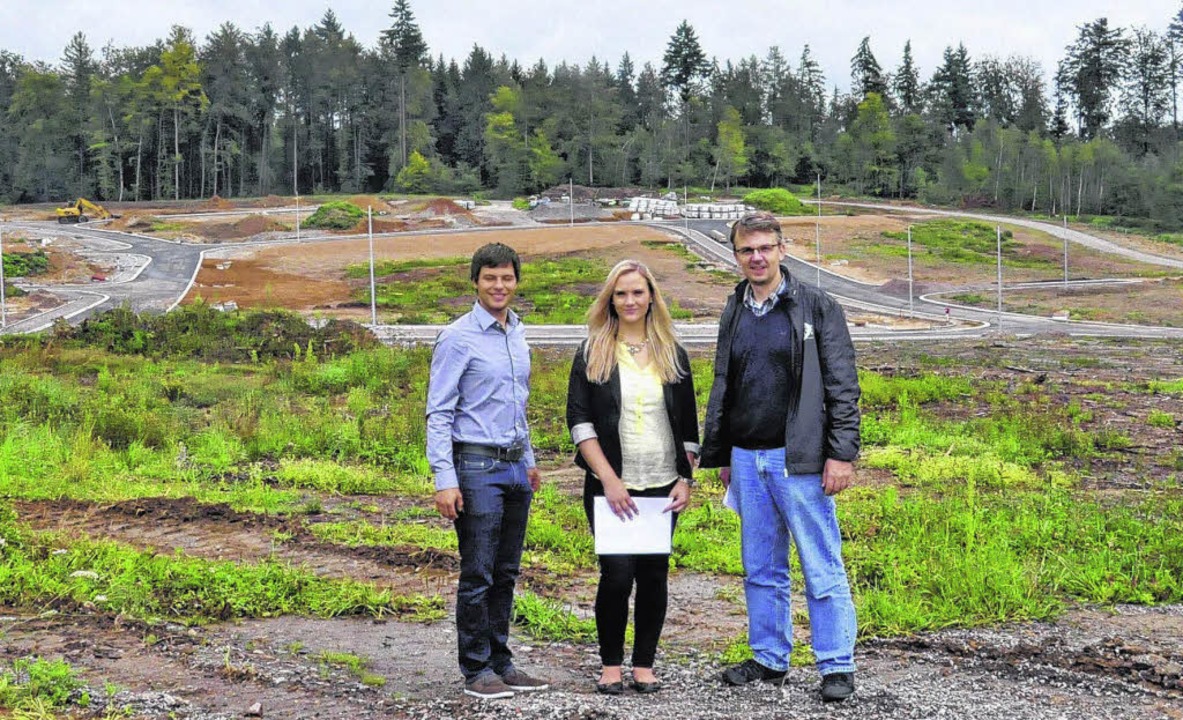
(217, 203)
(444, 206)
(1151, 302)
(253, 284)
(247, 227)
(311, 276)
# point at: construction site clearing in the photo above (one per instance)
(257, 263)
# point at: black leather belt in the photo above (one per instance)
(509, 454)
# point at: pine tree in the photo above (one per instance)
(405, 42)
(865, 74)
(1094, 65)
(1145, 91)
(79, 67)
(907, 83)
(684, 65)
(951, 91)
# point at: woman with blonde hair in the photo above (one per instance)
(632, 414)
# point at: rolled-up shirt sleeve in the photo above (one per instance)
(449, 360)
(583, 431)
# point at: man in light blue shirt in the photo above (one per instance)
(478, 446)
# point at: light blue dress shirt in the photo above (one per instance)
(477, 392)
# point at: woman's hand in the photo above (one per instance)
(619, 500)
(679, 497)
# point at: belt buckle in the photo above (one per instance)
(512, 453)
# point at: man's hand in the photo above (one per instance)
(534, 475)
(725, 477)
(837, 476)
(449, 503)
(679, 497)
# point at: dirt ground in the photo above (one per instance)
(311, 277)
(1151, 302)
(1095, 662)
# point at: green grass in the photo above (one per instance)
(33, 684)
(43, 568)
(964, 242)
(979, 518)
(25, 264)
(1160, 419)
(355, 664)
(549, 619)
(362, 533)
(552, 291)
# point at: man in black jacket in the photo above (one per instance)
(782, 423)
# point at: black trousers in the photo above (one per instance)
(618, 574)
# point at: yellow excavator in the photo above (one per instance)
(82, 210)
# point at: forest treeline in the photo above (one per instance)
(261, 112)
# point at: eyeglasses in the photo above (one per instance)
(747, 253)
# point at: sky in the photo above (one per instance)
(527, 30)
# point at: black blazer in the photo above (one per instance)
(599, 404)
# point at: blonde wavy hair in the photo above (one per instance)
(603, 323)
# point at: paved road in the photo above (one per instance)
(152, 275)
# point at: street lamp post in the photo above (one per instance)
(911, 306)
(373, 288)
(817, 230)
(998, 230)
(3, 300)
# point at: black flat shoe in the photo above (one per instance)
(646, 687)
(612, 688)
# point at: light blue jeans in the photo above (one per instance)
(774, 506)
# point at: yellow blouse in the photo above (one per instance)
(646, 440)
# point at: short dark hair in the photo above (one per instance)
(493, 255)
(755, 222)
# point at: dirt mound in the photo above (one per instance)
(391, 225)
(248, 226)
(216, 203)
(369, 201)
(443, 206)
(137, 222)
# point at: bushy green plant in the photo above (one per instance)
(335, 215)
(37, 679)
(775, 200)
(25, 264)
(199, 331)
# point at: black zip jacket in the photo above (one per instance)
(823, 417)
(599, 404)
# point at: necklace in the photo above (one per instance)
(635, 349)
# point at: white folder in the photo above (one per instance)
(647, 533)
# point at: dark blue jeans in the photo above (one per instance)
(490, 531)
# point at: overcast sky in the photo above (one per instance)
(575, 31)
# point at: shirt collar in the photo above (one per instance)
(486, 320)
(749, 297)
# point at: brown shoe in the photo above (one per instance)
(488, 687)
(517, 680)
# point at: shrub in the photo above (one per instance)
(200, 332)
(775, 200)
(25, 264)
(337, 215)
